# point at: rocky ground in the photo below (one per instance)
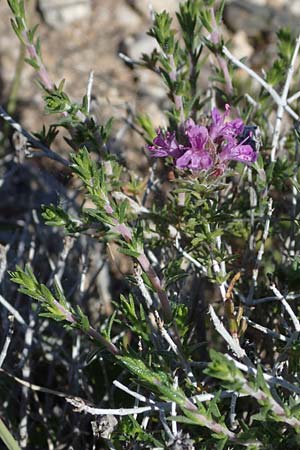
(72, 50)
(83, 35)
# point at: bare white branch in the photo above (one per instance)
(283, 101)
(261, 250)
(89, 90)
(173, 409)
(294, 97)
(266, 330)
(286, 306)
(7, 340)
(233, 343)
(134, 394)
(45, 151)
(276, 97)
(12, 311)
(80, 406)
(269, 378)
(185, 365)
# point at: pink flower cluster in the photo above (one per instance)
(206, 147)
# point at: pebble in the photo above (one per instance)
(241, 45)
(134, 46)
(157, 5)
(127, 18)
(59, 13)
(294, 6)
(255, 19)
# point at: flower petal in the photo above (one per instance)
(237, 125)
(184, 160)
(220, 130)
(197, 136)
(165, 144)
(217, 117)
(201, 161)
(242, 153)
(195, 160)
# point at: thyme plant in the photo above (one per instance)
(201, 349)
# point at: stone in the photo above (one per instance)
(134, 46)
(127, 17)
(257, 2)
(241, 45)
(157, 5)
(256, 19)
(294, 6)
(144, 8)
(59, 13)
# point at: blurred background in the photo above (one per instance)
(82, 35)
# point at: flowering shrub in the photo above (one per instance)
(199, 348)
(208, 147)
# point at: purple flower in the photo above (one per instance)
(219, 129)
(197, 134)
(165, 144)
(195, 160)
(238, 152)
(207, 147)
(195, 156)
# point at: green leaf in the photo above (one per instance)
(24, 277)
(33, 63)
(31, 287)
(260, 381)
(221, 442)
(46, 294)
(225, 370)
(105, 130)
(83, 321)
(17, 30)
(14, 6)
(129, 252)
(158, 379)
(7, 437)
(59, 294)
(163, 33)
(32, 32)
(182, 419)
(57, 102)
(219, 13)
(110, 324)
(206, 20)
(286, 44)
(145, 122)
(130, 430)
(122, 209)
(22, 8)
(55, 215)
